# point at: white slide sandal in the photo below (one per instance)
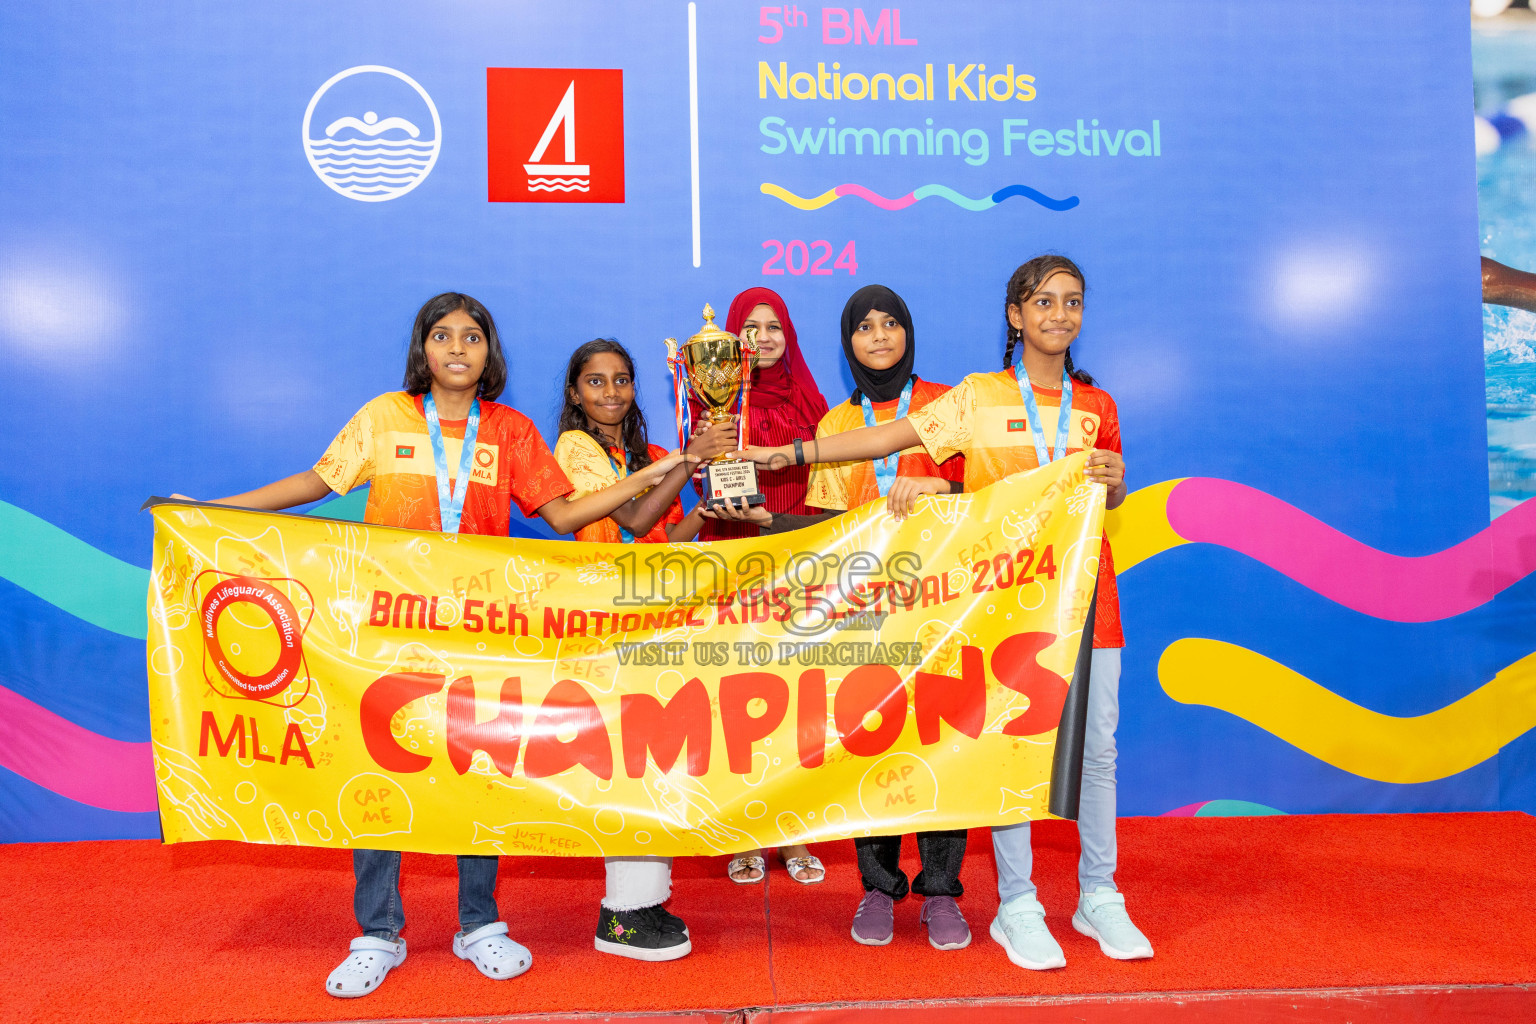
(363, 971)
(489, 949)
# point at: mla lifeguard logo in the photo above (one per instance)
(372, 133)
(555, 135)
(253, 633)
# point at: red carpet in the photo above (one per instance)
(136, 931)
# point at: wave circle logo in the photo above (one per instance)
(372, 133)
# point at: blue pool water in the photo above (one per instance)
(1503, 67)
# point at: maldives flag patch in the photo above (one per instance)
(404, 451)
(1018, 425)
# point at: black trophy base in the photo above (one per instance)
(730, 482)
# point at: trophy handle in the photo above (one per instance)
(679, 393)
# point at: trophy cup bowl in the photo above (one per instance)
(718, 366)
(714, 367)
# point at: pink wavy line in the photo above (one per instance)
(879, 200)
(1340, 568)
(71, 760)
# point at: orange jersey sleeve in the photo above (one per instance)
(591, 469)
(845, 485)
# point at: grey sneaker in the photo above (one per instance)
(946, 925)
(1101, 915)
(1019, 928)
(875, 919)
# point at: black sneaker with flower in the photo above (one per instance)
(649, 933)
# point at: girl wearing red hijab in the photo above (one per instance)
(785, 404)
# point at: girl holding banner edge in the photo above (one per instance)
(602, 442)
(443, 455)
(880, 345)
(992, 418)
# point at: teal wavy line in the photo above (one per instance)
(945, 192)
(88, 583)
(72, 575)
(348, 506)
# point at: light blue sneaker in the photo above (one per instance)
(1101, 915)
(1019, 928)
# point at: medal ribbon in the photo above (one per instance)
(1063, 423)
(450, 507)
(885, 469)
(622, 470)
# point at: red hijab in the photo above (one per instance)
(785, 404)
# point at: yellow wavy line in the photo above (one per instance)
(1358, 740)
(770, 189)
(1139, 528)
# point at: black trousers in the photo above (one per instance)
(940, 853)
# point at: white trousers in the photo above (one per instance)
(637, 882)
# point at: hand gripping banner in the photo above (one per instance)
(325, 683)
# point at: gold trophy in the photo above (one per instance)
(718, 367)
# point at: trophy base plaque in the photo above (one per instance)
(730, 482)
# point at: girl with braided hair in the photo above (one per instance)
(1037, 409)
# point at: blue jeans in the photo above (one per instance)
(1096, 811)
(376, 900)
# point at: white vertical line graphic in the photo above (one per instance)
(693, 119)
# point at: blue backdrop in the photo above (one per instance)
(1283, 293)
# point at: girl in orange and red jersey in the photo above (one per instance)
(602, 442)
(1002, 423)
(442, 455)
(881, 348)
(603, 439)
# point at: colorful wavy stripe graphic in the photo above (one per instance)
(1397, 588)
(72, 575)
(88, 583)
(73, 761)
(837, 192)
(1138, 529)
(1358, 740)
(1222, 809)
(107, 592)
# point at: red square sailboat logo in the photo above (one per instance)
(555, 135)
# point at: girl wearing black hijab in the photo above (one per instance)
(878, 342)
(880, 346)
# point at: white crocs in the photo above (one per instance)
(364, 968)
(489, 949)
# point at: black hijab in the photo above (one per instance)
(878, 385)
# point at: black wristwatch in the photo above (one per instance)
(799, 453)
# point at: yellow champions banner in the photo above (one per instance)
(326, 683)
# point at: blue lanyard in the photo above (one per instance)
(1063, 423)
(622, 470)
(885, 469)
(450, 507)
